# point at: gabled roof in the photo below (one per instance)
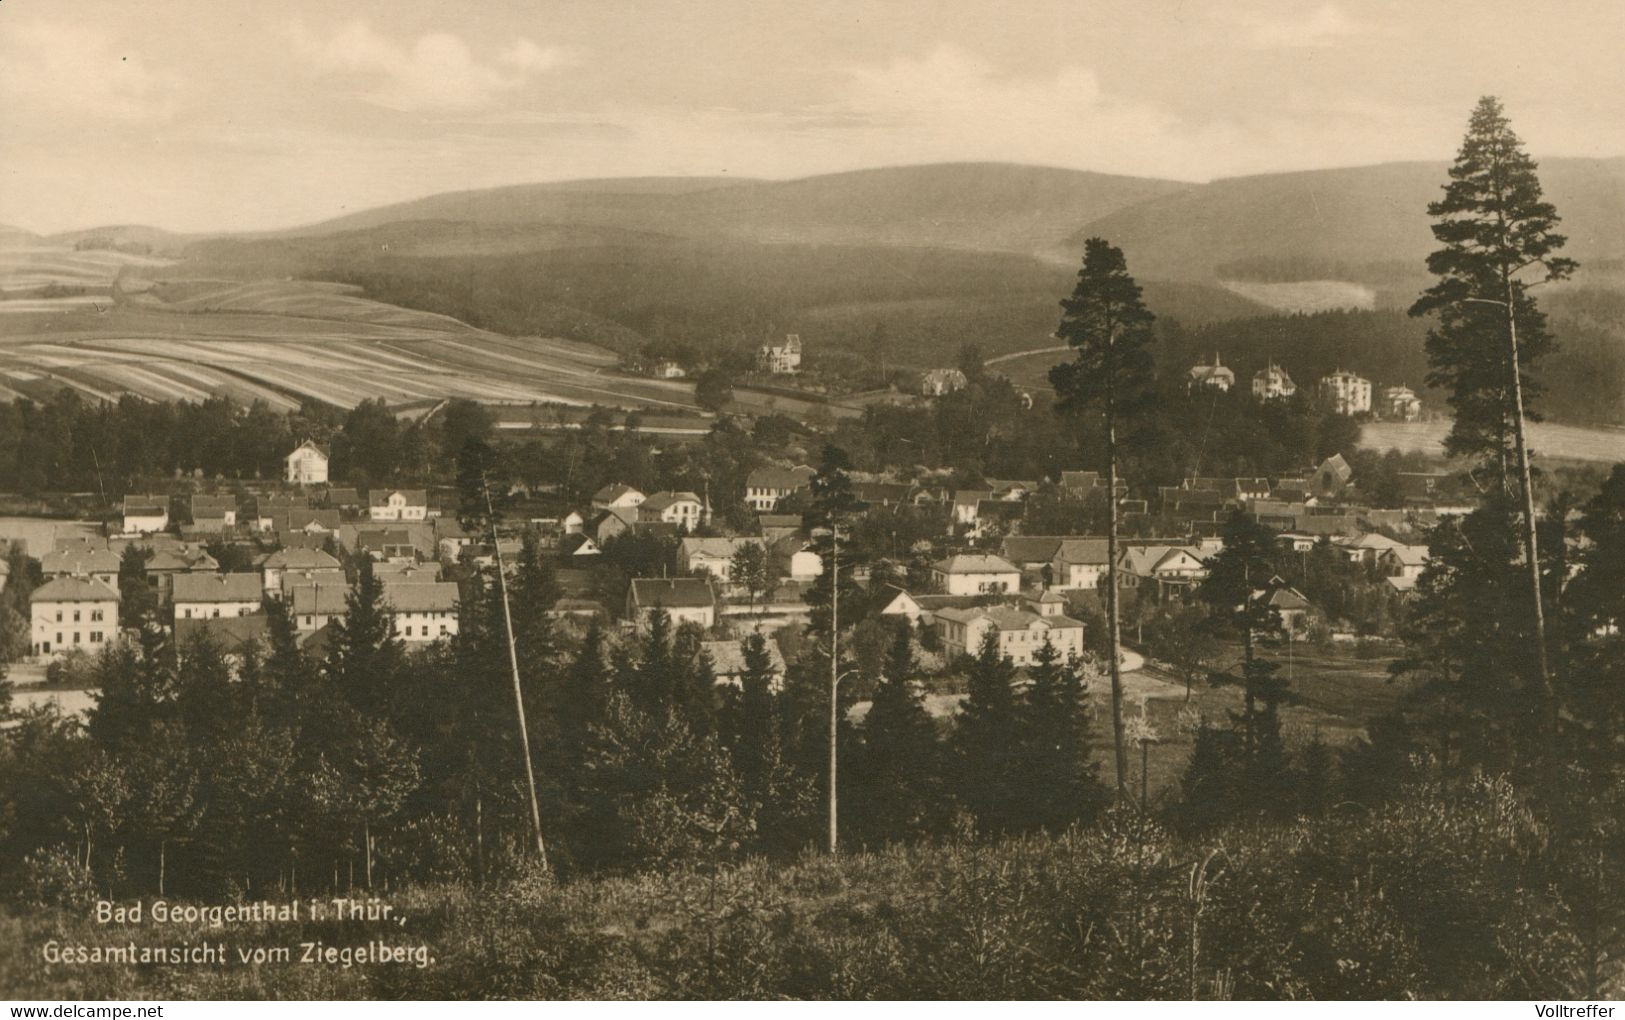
(1009, 618)
(79, 561)
(665, 498)
(714, 548)
(300, 559)
(975, 563)
(73, 589)
(1408, 555)
(1083, 551)
(145, 505)
(791, 478)
(382, 538)
(614, 491)
(316, 599)
(308, 445)
(175, 560)
(1020, 549)
(413, 497)
(672, 592)
(202, 587)
(438, 596)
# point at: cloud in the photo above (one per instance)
(49, 70)
(1322, 27)
(952, 104)
(436, 72)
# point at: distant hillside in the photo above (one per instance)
(16, 237)
(130, 238)
(620, 288)
(1361, 223)
(979, 206)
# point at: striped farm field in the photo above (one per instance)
(281, 342)
(1547, 440)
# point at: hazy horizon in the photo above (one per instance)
(229, 116)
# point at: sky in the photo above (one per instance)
(223, 115)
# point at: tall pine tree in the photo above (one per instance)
(1499, 238)
(1109, 327)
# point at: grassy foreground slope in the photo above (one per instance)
(1436, 896)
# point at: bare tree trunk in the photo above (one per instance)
(1113, 624)
(1531, 553)
(518, 694)
(834, 678)
(163, 844)
(366, 839)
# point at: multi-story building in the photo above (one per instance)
(397, 505)
(780, 359)
(422, 611)
(683, 509)
(307, 464)
(1272, 383)
(765, 486)
(1400, 403)
(1210, 377)
(685, 600)
(72, 612)
(1345, 393)
(1021, 631)
(207, 595)
(976, 574)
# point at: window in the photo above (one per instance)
(95, 637)
(75, 637)
(76, 616)
(59, 637)
(59, 618)
(189, 616)
(97, 615)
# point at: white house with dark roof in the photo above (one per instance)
(314, 604)
(765, 486)
(422, 612)
(307, 464)
(781, 358)
(397, 505)
(144, 514)
(1021, 632)
(683, 509)
(617, 496)
(713, 556)
(1272, 383)
(975, 574)
(72, 612)
(1210, 377)
(685, 600)
(295, 560)
(81, 561)
(206, 595)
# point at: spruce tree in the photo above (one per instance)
(365, 654)
(986, 740)
(1060, 784)
(897, 791)
(1499, 238)
(1109, 327)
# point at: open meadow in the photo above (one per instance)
(1546, 440)
(277, 341)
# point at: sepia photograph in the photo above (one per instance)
(955, 500)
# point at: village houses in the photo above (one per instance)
(72, 612)
(307, 464)
(975, 574)
(204, 595)
(685, 600)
